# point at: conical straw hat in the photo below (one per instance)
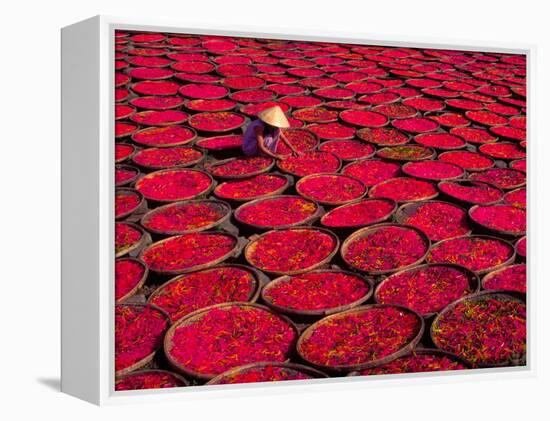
(274, 116)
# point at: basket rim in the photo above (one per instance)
(320, 312)
(371, 228)
(402, 351)
(196, 314)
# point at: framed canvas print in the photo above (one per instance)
(253, 210)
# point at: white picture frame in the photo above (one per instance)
(88, 215)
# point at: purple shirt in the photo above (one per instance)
(250, 142)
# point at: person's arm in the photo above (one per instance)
(261, 144)
(289, 144)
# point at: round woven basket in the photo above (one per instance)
(168, 338)
(379, 361)
(354, 227)
(260, 280)
(307, 178)
(373, 228)
(478, 296)
(255, 238)
(473, 280)
(134, 249)
(289, 182)
(239, 244)
(467, 183)
(505, 233)
(140, 283)
(145, 219)
(320, 312)
(308, 220)
(492, 268)
(202, 193)
(137, 208)
(408, 209)
(147, 359)
(210, 166)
